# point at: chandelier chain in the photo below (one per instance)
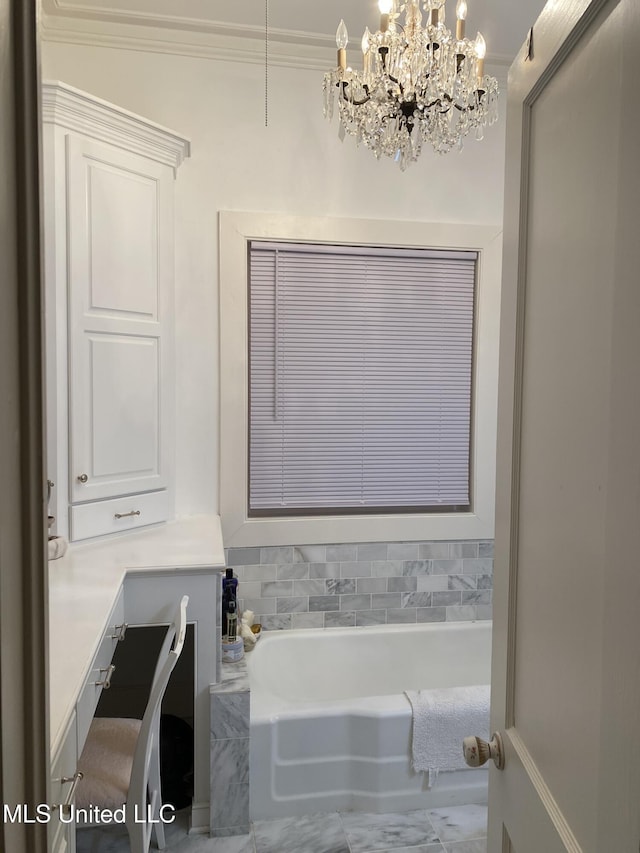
(266, 63)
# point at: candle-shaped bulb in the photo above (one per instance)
(461, 14)
(365, 40)
(385, 7)
(342, 36)
(342, 40)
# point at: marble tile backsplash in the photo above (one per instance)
(324, 586)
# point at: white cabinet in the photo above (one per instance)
(64, 763)
(109, 265)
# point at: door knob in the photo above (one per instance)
(477, 751)
(82, 478)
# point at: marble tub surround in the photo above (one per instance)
(229, 752)
(234, 677)
(324, 586)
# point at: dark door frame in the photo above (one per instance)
(24, 735)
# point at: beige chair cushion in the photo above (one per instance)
(106, 762)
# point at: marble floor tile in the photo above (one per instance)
(204, 844)
(459, 823)
(115, 839)
(476, 845)
(103, 840)
(372, 832)
(238, 844)
(458, 829)
(310, 834)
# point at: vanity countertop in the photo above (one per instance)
(84, 585)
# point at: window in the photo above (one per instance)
(360, 375)
(468, 515)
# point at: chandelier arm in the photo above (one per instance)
(438, 102)
(470, 107)
(343, 84)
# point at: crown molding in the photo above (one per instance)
(76, 110)
(205, 39)
(207, 44)
(226, 29)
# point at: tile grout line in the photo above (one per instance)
(344, 832)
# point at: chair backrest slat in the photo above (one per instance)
(149, 737)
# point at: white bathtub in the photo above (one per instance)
(331, 727)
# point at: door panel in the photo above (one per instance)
(563, 438)
(559, 495)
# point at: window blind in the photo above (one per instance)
(360, 370)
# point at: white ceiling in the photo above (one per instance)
(504, 23)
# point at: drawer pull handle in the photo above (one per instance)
(127, 514)
(65, 807)
(120, 630)
(106, 682)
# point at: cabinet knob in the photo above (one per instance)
(82, 478)
(477, 751)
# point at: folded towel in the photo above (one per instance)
(442, 717)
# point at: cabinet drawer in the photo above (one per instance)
(63, 767)
(92, 689)
(112, 516)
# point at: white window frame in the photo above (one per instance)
(236, 230)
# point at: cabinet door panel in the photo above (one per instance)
(120, 271)
(123, 414)
(122, 249)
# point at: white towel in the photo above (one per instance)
(442, 717)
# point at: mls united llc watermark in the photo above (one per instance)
(93, 815)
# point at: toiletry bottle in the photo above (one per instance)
(229, 591)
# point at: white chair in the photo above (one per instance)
(120, 761)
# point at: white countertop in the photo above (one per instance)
(83, 587)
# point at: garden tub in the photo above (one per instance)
(331, 726)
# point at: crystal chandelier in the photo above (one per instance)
(418, 84)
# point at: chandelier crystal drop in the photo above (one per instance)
(419, 83)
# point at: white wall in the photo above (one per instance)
(296, 165)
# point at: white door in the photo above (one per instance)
(566, 671)
(120, 234)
